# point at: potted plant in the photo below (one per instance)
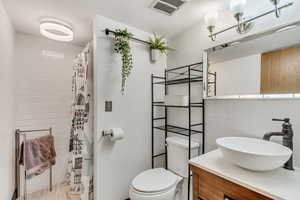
(157, 46)
(121, 45)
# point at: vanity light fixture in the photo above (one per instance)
(243, 25)
(277, 11)
(237, 7)
(56, 30)
(211, 21)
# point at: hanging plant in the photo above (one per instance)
(157, 45)
(121, 46)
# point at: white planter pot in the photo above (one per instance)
(155, 54)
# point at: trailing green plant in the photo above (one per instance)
(121, 45)
(158, 42)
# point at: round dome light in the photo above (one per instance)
(56, 30)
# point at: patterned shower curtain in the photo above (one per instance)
(80, 164)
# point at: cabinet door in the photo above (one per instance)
(212, 187)
(280, 71)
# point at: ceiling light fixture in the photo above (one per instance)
(243, 25)
(56, 30)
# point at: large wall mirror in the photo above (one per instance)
(264, 65)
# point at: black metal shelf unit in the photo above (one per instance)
(189, 75)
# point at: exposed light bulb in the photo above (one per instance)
(237, 6)
(211, 19)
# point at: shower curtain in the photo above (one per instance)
(80, 164)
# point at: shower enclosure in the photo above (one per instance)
(54, 89)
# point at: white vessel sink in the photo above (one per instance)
(253, 154)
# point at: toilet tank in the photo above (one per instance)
(178, 156)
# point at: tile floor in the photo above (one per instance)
(59, 192)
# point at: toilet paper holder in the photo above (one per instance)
(107, 132)
(113, 134)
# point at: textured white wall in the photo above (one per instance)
(116, 164)
(238, 76)
(237, 117)
(6, 105)
(43, 94)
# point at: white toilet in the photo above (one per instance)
(161, 184)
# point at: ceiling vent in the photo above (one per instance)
(167, 6)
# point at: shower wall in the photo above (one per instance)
(116, 164)
(43, 77)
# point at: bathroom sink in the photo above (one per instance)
(253, 154)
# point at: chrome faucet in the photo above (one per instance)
(287, 139)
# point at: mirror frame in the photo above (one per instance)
(205, 60)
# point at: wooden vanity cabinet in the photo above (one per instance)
(207, 186)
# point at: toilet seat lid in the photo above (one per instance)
(154, 180)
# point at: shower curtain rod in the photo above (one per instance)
(108, 31)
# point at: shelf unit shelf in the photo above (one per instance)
(189, 75)
(181, 81)
(161, 104)
(178, 130)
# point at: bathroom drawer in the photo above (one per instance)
(207, 186)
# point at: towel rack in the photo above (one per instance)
(18, 134)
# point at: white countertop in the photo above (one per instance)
(280, 184)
